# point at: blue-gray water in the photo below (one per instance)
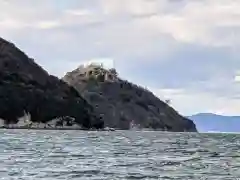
(49, 155)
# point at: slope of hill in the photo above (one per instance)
(123, 104)
(207, 122)
(26, 87)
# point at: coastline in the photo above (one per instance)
(64, 128)
(84, 129)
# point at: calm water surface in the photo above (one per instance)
(49, 155)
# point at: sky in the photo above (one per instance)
(183, 50)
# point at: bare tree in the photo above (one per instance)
(168, 101)
(113, 71)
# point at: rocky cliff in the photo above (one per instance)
(26, 87)
(123, 104)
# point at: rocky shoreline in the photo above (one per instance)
(66, 129)
(56, 124)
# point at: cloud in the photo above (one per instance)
(107, 63)
(79, 12)
(197, 101)
(210, 23)
(134, 7)
(237, 78)
(186, 21)
(47, 24)
(187, 51)
(12, 24)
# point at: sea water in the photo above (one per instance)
(82, 155)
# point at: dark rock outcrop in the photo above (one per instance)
(26, 87)
(121, 102)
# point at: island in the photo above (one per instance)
(88, 98)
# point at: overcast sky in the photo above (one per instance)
(183, 50)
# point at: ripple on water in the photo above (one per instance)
(28, 154)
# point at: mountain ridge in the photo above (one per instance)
(95, 97)
(121, 102)
(206, 122)
(27, 87)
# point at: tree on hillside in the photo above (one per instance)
(113, 71)
(168, 101)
